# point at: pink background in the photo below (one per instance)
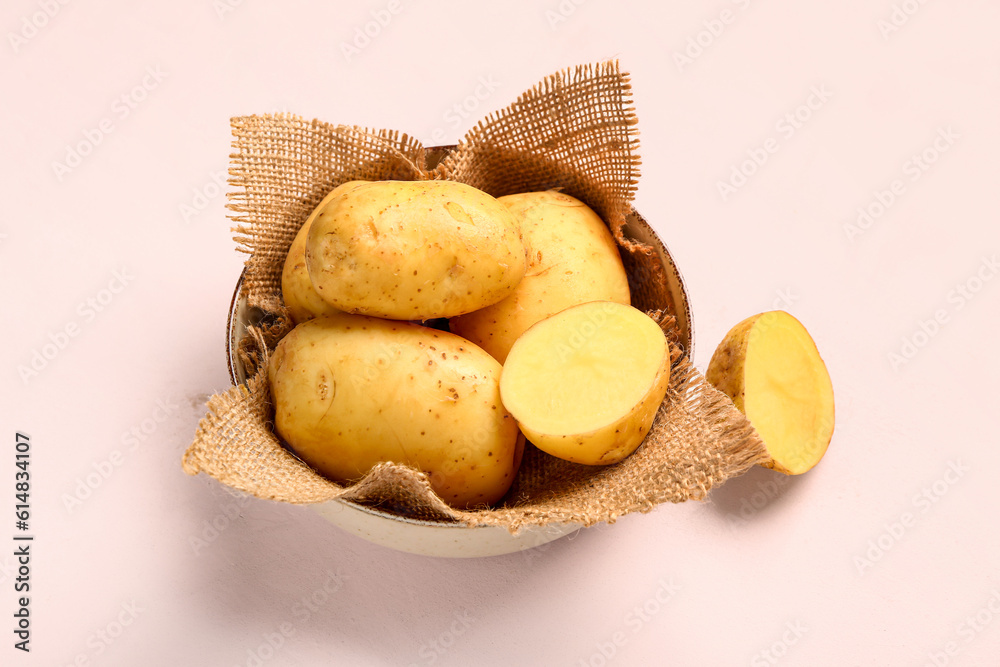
(847, 565)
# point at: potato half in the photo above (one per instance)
(572, 259)
(351, 391)
(585, 384)
(414, 250)
(300, 296)
(770, 366)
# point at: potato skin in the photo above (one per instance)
(727, 372)
(414, 250)
(351, 391)
(572, 259)
(300, 296)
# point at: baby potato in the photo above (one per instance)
(300, 296)
(572, 259)
(414, 250)
(351, 391)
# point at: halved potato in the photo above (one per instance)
(769, 365)
(585, 384)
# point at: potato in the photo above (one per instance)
(572, 259)
(769, 365)
(414, 250)
(585, 384)
(300, 296)
(350, 391)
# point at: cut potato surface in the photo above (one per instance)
(585, 384)
(769, 365)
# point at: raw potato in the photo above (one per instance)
(414, 250)
(769, 365)
(300, 296)
(585, 384)
(572, 259)
(351, 391)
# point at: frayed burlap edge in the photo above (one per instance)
(684, 469)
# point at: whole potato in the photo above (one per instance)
(351, 391)
(414, 250)
(300, 296)
(572, 259)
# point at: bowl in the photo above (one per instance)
(439, 538)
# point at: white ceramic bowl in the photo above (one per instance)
(438, 538)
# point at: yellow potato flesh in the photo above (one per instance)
(414, 250)
(300, 296)
(585, 384)
(572, 259)
(769, 365)
(351, 391)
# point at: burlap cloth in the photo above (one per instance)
(576, 130)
